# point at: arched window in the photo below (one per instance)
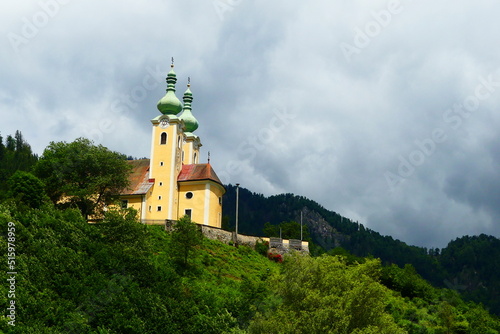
(163, 138)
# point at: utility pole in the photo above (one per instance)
(237, 202)
(300, 225)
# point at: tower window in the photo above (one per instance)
(188, 212)
(161, 163)
(149, 208)
(194, 159)
(220, 200)
(161, 184)
(159, 198)
(158, 208)
(163, 138)
(189, 195)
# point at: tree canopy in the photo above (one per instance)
(26, 188)
(15, 155)
(82, 174)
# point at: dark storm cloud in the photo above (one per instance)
(97, 69)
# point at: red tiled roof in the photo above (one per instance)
(139, 178)
(198, 172)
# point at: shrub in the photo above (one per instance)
(262, 247)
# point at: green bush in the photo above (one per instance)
(262, 247)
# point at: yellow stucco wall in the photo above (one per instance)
(191, 149)
(164, 168)
(205, 204)
(135, 202)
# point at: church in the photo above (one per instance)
(172, 183)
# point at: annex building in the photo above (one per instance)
(172, 183)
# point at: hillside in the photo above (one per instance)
(123, 277)
(467, 264)
(64, 275)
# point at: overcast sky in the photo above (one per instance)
(386, 112)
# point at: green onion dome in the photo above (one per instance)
(190, 121)
(170, 104)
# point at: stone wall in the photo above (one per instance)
(279, 246)
(227, 237)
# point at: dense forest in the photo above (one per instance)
(119, 276)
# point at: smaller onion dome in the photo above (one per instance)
(190, 121)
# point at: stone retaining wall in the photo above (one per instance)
(279, 246)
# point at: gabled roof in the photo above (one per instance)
(139, 178)
(198, 172)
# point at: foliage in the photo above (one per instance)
(27, 188)
(262, 247)
(286, 229)
(348, 257)
(120, 276)
(15, 155)
(467, 264)
(185, 237)
(83, 175)
(325, 295)
(472, 263)
(407, 281)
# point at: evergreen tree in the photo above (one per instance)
(15, 155)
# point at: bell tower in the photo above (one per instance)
(166, 147)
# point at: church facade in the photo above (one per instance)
(172, 183)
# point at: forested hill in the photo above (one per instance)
(466, 264)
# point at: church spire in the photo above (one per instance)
(190, 121)
(170, 104)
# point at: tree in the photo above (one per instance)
(289, 230)
(27, 188)
(325, 295)
(15, 155)
(83, 175)
(185, 236)
(2, 148)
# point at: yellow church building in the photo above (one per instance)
(172, 183)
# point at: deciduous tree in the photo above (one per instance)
(82, 174)
(185, 237)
